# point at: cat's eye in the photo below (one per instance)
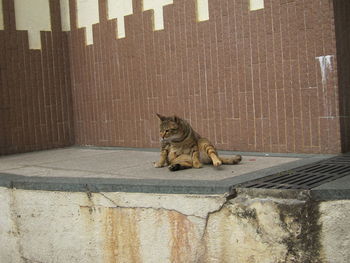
(170, 130)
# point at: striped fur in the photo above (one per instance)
(182, 147)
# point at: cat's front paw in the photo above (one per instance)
(217, 163)
(158, 165)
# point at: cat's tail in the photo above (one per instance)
(231, 160)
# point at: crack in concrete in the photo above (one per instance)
(27, 260)
(202, 250)
(228, 198)
(144, 207)
(303, 244)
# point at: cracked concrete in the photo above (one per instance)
(48, 226)
(59, 226)
(263, 230)
(335, 234)
(9, 234)
(97, 216)
(188, 205)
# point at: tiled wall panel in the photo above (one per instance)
(270, 80)
(35, 100)
(248, 80)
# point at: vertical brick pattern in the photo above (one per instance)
(342, 25)
(35, 92)
(249, 81)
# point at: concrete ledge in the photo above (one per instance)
(335, 190)
(97, 205)
(91, 169)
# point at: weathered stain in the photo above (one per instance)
(182, 237)
(121, 240)
(304, 241)
(159, 218)
(218, 238)
(224, 226)
(261, 229)
(87, 214)
(246, 213)
(264, 230)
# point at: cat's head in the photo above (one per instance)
(171, 128)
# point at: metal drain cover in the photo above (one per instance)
(304, 177)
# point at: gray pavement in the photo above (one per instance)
(79, 162)
(117, 169)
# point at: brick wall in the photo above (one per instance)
(262, 80)
(35, 91)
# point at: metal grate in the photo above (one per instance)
(305, 177)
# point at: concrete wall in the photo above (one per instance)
(40, 226)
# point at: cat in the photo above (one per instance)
(182, 147)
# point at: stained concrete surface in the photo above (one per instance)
(131, 170)
(80, 162)
(74, 225)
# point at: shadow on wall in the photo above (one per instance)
(342, 31)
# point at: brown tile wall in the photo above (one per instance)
(249, 81)
(342, 25)
(35, 92)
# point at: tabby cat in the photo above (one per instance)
(182, 147)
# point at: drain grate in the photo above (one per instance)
(305, 177)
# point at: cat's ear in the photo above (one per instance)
(176, 119)
(161, 117)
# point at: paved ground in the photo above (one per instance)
(116, 169)
(80, 162)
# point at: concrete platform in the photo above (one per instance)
(131, 170)
(110, 205)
